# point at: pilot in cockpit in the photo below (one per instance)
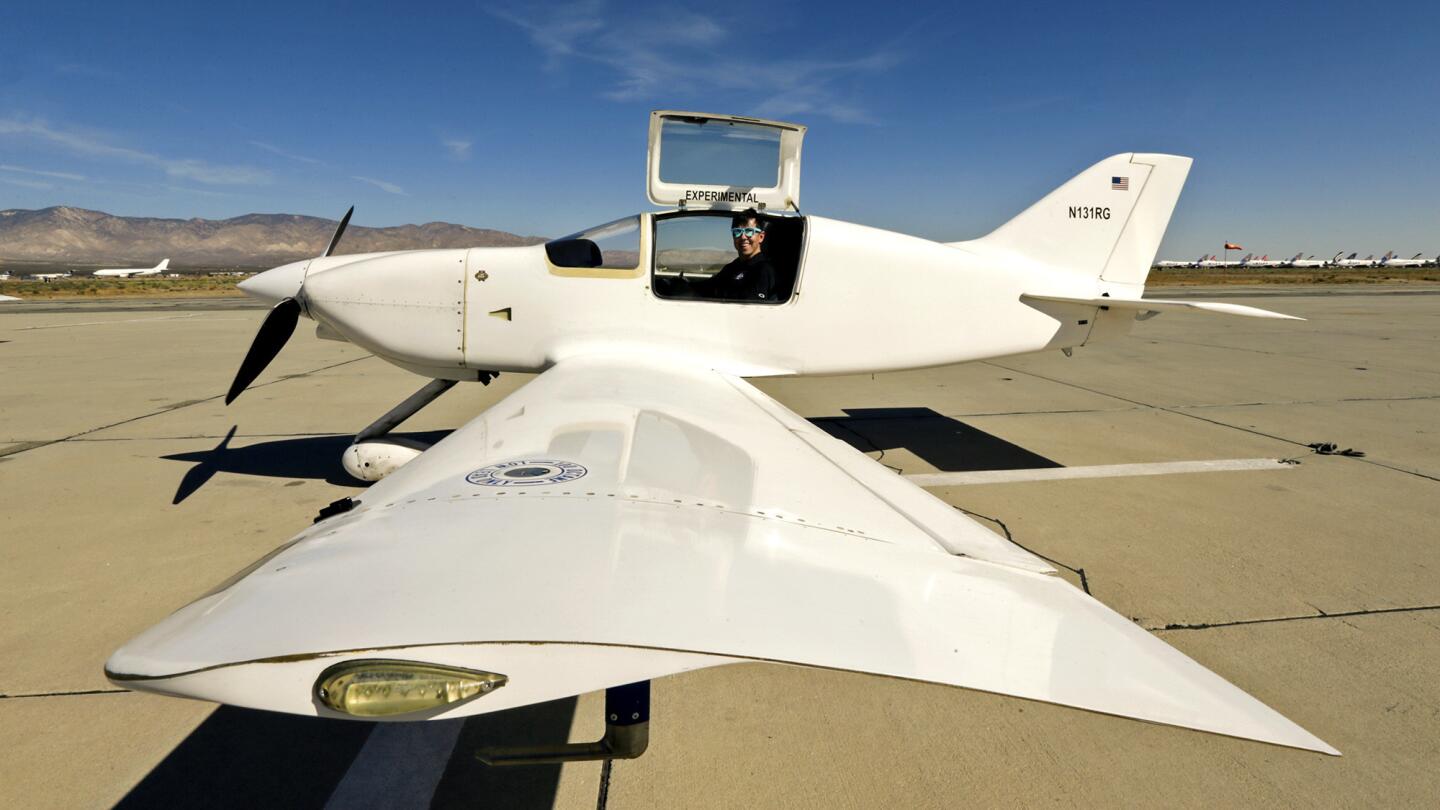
(751, 276)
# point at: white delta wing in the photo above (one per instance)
(615, 521)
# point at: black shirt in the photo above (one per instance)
(745, 279)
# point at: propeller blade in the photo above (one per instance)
(335, 240)
(276, 329)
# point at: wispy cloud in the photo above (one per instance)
(36, 184)
(656, 55)
(40, 172)
(557, 33)
(96, 145)
(381, 184)
(282, 153)
(806, 88)
(459, 147)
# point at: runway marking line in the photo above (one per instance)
(102, 323)
(950, 479)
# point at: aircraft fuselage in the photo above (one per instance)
(865, 300)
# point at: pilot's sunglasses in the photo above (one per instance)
(736, 233)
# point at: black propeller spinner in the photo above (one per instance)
(277, 328)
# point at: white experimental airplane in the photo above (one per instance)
(640, 509)
(49, 276)
(133, 272)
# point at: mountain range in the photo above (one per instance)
(81, 236)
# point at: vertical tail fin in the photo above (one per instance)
(164, 263)
(1105, 223)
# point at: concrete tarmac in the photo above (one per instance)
(127, 489)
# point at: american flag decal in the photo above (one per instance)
(1120, 183)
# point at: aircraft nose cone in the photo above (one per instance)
(274, 285)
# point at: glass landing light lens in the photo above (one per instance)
(381, 687)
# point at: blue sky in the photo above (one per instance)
(1313, 124)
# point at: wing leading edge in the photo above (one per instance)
(614, 521)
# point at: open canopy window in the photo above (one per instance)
(725, 162)
(705, 256)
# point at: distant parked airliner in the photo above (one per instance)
(132, 273)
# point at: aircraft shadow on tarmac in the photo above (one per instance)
(243, 758)
(314, 457)
(947, 444)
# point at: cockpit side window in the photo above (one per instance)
(710, 256)
(612, 246)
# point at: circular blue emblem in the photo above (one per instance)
(526, 473)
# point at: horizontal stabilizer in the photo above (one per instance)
(1163, 305)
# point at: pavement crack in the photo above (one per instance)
(1272, 620)
(66, 694)
(1080, 572)
(1338, 362)
(204, 437)
(1185, 411)
(1417, 398)
(175, 406)
(23, 446)
(873, 446)
(1095, 391)
(602, 799)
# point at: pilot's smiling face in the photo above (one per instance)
(748, 240)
